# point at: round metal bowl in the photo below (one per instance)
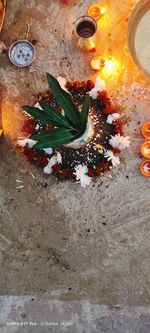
(139, 11)
(21, 53)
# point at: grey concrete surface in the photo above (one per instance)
(29, 315)
(88, 247)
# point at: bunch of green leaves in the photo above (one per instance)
(67, 127)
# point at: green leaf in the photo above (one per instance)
(54, 138)
(65, 101)
(85, 111)
(37, 114)
(56, 118)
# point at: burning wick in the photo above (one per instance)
(106, 66)
(96, 11)
(109, 66)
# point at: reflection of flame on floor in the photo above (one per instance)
(11, 118)
(1, 112)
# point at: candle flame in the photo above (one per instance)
(103, 10)
(111, 67)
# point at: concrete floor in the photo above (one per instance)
(87, 251)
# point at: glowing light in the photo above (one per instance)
(145, 149)
(112, 67)
(96, 11)
(103, 10)
(107, 67)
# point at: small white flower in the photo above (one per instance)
(53, 161)
(111, 157)
(62, 82)
(112, 117)
(49, 151)
(59, 157)
(37, 105)
(99, 86)
(81, 175)
(37, 127)
(27, 141)
(119, 141)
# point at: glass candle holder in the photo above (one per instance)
(145, 168)
(145, 149)
(146, 130)
(84, 33)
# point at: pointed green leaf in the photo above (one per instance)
(37, 114)
(57, 119)
(85, 111)
(65, 101)
(54, 138)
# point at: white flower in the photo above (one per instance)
(62, 82)
(49, 151)
(111, 157)
(99, 86)
(37, 127)
(37, 105)
(27, 141)
(59, 157)
(81, 175)
(119, 141)
(53, 161)
(112, 117)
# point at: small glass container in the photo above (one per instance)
(84, 33)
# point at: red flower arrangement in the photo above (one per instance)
(97, 164)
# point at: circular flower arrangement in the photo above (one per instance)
(93, 158)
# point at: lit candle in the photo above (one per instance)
(145, 168)
(108, 67)
(146, 130)
(97, 63)
(145, 149)
(96, 11)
